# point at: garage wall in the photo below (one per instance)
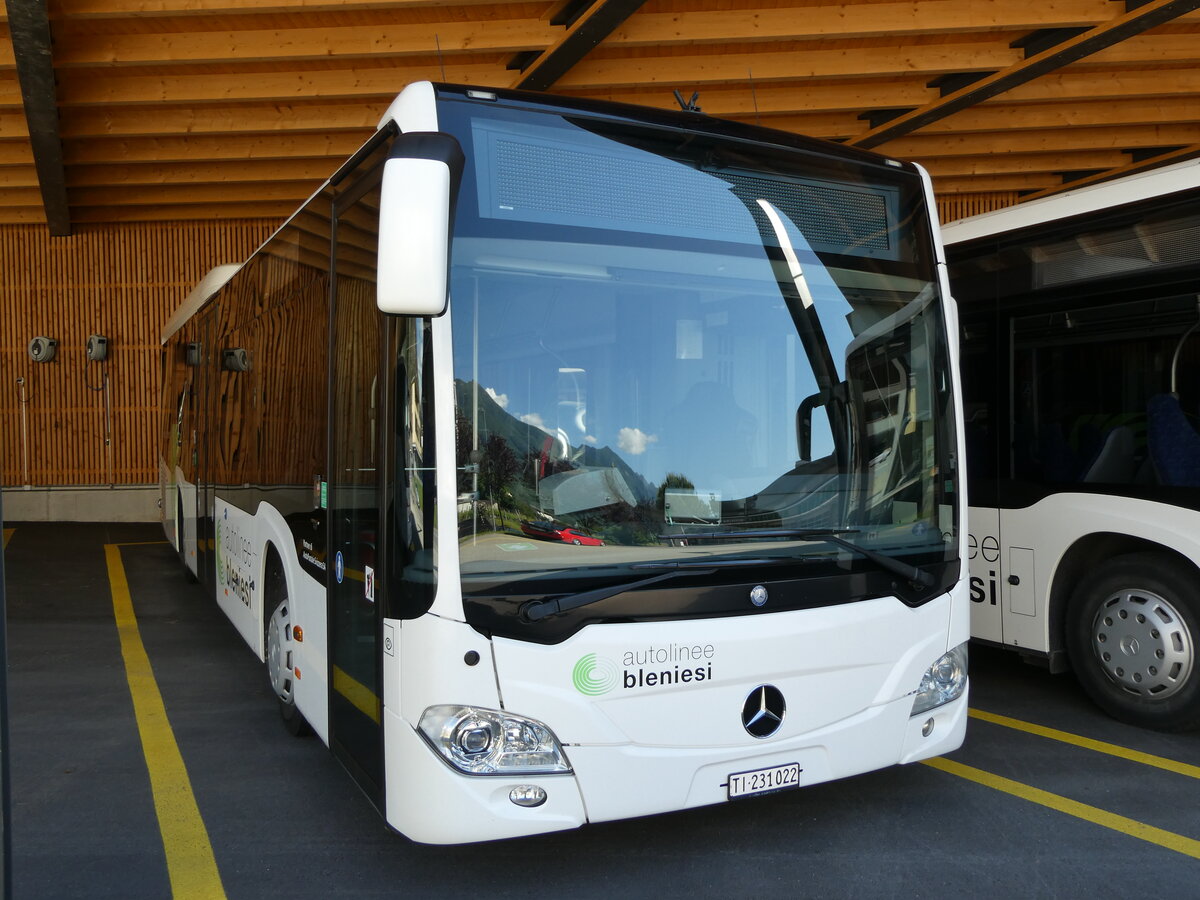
(72, 432)
(960, 206)
(75, 423)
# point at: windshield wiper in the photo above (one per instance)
(887, 563)
(536, 610)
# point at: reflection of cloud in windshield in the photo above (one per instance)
(536, 421)
(635, 441)
(501, 399)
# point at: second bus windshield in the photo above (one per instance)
(653, 345)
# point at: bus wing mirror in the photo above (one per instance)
(416, 219)
(804, 416)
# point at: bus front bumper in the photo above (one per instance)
(431, 803)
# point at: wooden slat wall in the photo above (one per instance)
(960, 206)
(124, 281)
(120, 281)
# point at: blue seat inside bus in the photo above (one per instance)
(1174, 442)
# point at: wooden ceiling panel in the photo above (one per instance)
(913, 20)
(297, 45)
(193, 108)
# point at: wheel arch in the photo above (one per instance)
(271, 558)
(1082, 556)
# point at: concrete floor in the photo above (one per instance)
(284, 820)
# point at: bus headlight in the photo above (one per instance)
(488, 742)
(943, 682)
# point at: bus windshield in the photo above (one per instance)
(680, 349)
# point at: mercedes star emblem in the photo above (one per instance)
(762, 713)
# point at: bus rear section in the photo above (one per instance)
(636, 486)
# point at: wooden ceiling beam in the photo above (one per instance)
(83, 88)
(773, 97)
(201, 148)
(579, 39)
(848, 21)
(300, 44)
(293, 192)
(154, 9)
(1120, 137)
(16, 215)
(24, 197)
(17, 177)
(359, 118)
(883, 61)
(29, 27)
(1123, 27)
(193, 119)
(272, 211)
(246, 171)
(16, 153)
(1075, 113)
(1006, 119)
(1018, 163)
(1111, 84)
(991, 183)
(1178, 155)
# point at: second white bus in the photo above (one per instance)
(1081, 370)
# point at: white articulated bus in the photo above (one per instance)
(1081, 371)
(567, 462)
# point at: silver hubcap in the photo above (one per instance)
(279, 651)
(1143, 644)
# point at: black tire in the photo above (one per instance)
(1132, 629)
(278, 643)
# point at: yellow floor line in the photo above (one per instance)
(361, 696)
(1170, 840)
(1146, 759)
(8, 533)
(191, 865)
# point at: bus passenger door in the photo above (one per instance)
(356, 433)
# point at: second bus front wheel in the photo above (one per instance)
(1132, 629)
(279, 650)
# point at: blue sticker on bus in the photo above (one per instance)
(339, 569)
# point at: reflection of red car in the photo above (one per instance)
(548, 531)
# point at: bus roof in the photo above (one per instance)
(1090, 199)
(209, 285)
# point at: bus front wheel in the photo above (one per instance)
(1133, 624)
(279, 649)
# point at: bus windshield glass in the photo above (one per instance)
(678, 349)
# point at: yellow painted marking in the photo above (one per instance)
(1146, 759)
(362, 697)
(191, 865)
(8, 533)
(1177, 842)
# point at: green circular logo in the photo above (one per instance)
(594, 675)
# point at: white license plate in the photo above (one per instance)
(764, 781)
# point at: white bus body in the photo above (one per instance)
(443, 525)
(1079, 364)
